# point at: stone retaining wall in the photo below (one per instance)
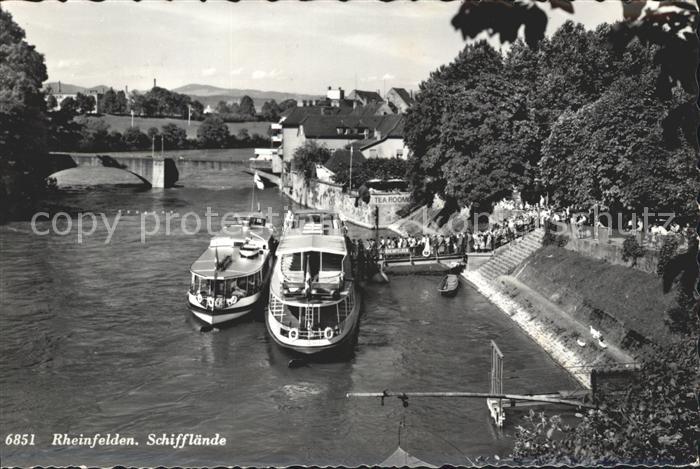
(381, 210)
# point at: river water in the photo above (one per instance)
(96, 338)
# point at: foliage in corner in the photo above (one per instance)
(653, 420)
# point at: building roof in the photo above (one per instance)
(366, 96)
(327, 126)
(403, 94)
(293, 117)
(391, 126)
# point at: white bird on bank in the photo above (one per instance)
(602, 344)
(581, 342)
(595, 333)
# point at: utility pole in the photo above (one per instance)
(189, 114)
(132, 117)
(350, 183)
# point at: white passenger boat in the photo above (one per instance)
(230, 277)
(314, 302)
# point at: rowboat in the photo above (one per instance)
(449, 285)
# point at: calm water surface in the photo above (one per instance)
(96, 338)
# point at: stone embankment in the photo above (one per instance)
(565, 322)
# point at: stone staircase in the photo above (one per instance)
(510, 256)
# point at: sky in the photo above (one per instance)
(283, 46)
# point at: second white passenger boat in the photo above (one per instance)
(314, 303)
(230, 277)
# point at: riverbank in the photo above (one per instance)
(562, 299)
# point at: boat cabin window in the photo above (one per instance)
(257, 221)
(316, 223)
(296, 262)
(241, 286)
(331, 262)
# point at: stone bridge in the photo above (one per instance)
(156, 172)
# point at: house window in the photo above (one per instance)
(372, 152)
(399, 153)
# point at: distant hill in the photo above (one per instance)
(73, 89)
(208, 91)
(206, 94)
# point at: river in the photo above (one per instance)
(96, 338)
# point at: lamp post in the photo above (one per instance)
(350, 177)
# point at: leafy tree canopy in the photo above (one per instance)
(307, 156)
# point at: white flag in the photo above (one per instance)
(258, 181)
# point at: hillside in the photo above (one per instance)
(615, 299)
(73, 89)
(208, 91)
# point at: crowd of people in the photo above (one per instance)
(515, 221)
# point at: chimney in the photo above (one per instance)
(329, 88)
(154, 83)
(59, 86)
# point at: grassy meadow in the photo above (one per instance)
(121, 123)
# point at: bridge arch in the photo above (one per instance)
(156, 172)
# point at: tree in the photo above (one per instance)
(152, 132)
(213, 132)
(307, 156)
(197, 109)
(426, 119)
(174, 136)
(134, 139)
(23, 130)
(94, 133)
(115, 141)
(86, 103)
(653, 420)
(599, 155)
(108, 102)
(243, 135)
(246, 108)
(287, 104)
(51, 102)
(121, 105)
(64, 132)
(222, 107)
(270, 111)
(69, 106)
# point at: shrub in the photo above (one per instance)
(631, 250)
(668, 250)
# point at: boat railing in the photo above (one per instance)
(343, 310)
(315, 229)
